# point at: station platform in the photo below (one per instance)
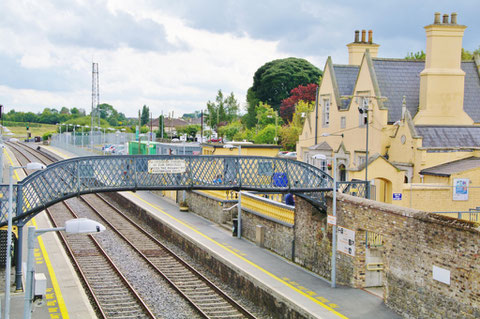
(290, 283)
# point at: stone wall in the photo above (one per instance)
(278, 237)
(414, 242)
(210, 208)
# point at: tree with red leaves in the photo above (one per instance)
(301, 92)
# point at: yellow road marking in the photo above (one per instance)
(244, 259)
(53, 278)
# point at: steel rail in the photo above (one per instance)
(158, 244)
(88, 279)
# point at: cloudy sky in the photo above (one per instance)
(174, 55)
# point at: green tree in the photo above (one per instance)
(273, 81)
(289, 137)
(224, 109)
(466, 55)
(231, 130)
(145, 115)
(416, 56)
(190, 130)
(266, 135)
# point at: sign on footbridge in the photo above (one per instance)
(82, 175)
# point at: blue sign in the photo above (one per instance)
(397, 196)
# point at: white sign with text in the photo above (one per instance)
(346, 241)
(167, 166)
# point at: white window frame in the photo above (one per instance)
(326, 111)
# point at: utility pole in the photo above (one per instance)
(95, 100)
(162, 126)
(139, 131)
(201, 127)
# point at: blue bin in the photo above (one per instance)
(280, 180)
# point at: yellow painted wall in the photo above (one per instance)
(267, 150)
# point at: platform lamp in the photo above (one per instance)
(73, 226)
(29, 166)
(364, 110)
(239, 214)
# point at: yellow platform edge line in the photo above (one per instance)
(51, 272)
(244, 259)
(53, 277)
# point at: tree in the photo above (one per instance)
(230, 130)
(190, 130)
(266, 135)
(466, 55)
(416, 56)
(222, 110)
(289, 137)
(300, 93)
(145, 115)
(274, 80)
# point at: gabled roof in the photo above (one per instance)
(397, 78)
(346, 75)
(450, 168)
(449, 136)
(324, 146)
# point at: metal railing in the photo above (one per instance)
(81, 175)
(473, 216)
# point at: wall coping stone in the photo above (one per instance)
(410, 213)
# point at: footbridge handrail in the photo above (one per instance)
(91, 174)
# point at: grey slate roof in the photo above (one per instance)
(449, 136)
(346, 76)
(450, 168)
(471, 98)
(397, 78)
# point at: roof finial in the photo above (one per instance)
(404, 107)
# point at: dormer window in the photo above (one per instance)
(326, 112)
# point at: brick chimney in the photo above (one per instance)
(357, 48)
(442, 80)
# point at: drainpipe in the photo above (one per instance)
(316, 114)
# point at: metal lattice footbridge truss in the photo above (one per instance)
(81, 175)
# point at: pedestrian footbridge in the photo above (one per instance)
(93, 174)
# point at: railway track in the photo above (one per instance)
(202, 294)
(113, 295)
(206, 298)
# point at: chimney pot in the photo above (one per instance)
(445, 18)
(453, 18)
(437, 18)
(363, 36)
(357, 36)
(370, 36)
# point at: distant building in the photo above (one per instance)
(423, 120)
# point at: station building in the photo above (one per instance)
(422, 119)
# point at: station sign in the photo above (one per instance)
(167, 166)
(346, 241)
(397, 196)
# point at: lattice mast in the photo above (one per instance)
(95, 115)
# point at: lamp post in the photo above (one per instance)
(74, 136)
(364, 110)
(239, 212)
(276, 127)
(84, 126)
(30, 166)
(73, 226)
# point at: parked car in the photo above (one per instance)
(282, 153)
(291, 155)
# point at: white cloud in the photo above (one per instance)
(174, 56)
